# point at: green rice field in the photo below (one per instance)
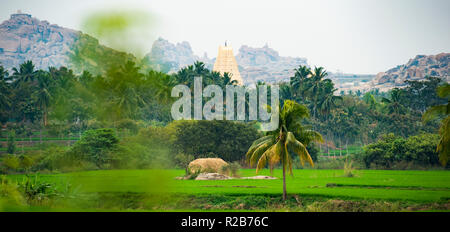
(416, 186)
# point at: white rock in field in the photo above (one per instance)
(212, 176)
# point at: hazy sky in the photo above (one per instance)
(354, 36)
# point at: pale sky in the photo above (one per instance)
(353, 36)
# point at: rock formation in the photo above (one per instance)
(265, 64)
(23, 38)
(167, 57)
(416, 69)
(212, 176)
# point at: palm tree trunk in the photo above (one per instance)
(45, 118)
(284, 184)
(346, 145)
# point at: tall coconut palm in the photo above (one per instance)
(328, 100)
(125, 87)
(277, 145)
(226, 80)
(443, 111)
(162, 84)
(44, 95)
(25, 73)
(317, 75)
(3, 73)
(299, 78)
(393, 104)
(4, 89)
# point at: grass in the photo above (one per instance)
(413, 186)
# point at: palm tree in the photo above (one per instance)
(163, 84)
(290, 137)
(44, 95)
(393, 104)
(125, 90)
(328, 100)
(25, 73)
(370, 99)
(299, 78)
(4, 89)
(3, 73)
(317, 75)
(227, 80)
(443, 147)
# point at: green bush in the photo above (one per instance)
(129, 125)
(96, 146)
(228, 140)
(11, 163)
(26, 162)
(11, 145)
(56, 158)
(231, 169)
(182, 161)
(391, 151)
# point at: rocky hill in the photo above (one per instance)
(168, 57)
(416, 69)
(23, 37)
(265, 64)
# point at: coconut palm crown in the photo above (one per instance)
(291, 137)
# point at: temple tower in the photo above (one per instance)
(226, 62)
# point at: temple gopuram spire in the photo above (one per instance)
(226, 62)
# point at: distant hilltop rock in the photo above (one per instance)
(23, 38)
(416, 69)
(265, 64)
(168, 57)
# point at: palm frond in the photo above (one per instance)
(256, 155)
(256, 144)
(298, 148)
(434, 112)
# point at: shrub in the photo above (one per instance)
(96, 146)
(10, 191)
(348, 168)
(11, 163)
(229, 140)
(11, 145)
(182, 161)
(26, 162)
(391, 151)
(231, 169)
(56, 158)
(129, 125)
(37, 191)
